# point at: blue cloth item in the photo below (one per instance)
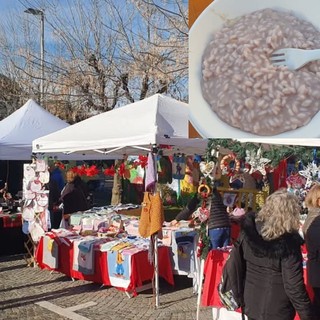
(183, 253)
(25, 227)
(219, 237)
(57, 176)
(178, 167)
(86, 246)
(83, 260)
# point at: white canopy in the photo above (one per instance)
(24, 125)
(154, 121)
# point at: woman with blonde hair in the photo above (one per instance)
(311, 231)
(273, 286)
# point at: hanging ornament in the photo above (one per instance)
(256, 161)
(311, 173)
(225, 164)
(208, 169)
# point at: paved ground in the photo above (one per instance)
(23, 288)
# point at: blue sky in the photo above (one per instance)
(8, 5)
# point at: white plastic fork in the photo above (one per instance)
(294, 58)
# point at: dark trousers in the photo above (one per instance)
(316, 302)
(55, 217)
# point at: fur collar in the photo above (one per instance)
(282, 247)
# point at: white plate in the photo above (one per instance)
(212, 18)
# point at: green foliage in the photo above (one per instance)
(205, 245)
(275, 153)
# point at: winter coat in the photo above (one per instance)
(312, 238)
(74, 196)
(274, 286)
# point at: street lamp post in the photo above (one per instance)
(40, 13)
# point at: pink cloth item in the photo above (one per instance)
(238, 212)
(150, 174)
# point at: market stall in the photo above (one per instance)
(57, 251)
(150, 126)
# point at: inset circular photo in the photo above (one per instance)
(240, 85)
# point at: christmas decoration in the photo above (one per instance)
(207, 169)
(256, 161)
(311, 172)
(275, 153)
(225, 164)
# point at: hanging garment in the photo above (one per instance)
(164, 170)
(196, 172)
(280, 175)
(152, 214)
(188, 185)
(150, 182)
(178, 167)
(136, 175)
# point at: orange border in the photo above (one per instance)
(195, 8)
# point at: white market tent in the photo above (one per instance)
(24, 125)
(131, 130)
(31, 121)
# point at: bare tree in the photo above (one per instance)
(100, 53)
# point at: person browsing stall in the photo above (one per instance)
(219, 226)
(187, 211)
(274, 287)
(74, 195)
(311, 228)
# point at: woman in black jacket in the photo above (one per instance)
(274, 287)
(311, 230)
(74, 195)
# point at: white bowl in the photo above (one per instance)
(206, 122)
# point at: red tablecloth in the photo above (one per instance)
(212, 273)
(141, 269)
(11, 221)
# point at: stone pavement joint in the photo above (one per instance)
(81, 306)
(63, 312)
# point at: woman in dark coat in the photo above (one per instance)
(274, 287)
(74, 195)
(311, 230)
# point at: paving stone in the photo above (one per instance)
(21, 287)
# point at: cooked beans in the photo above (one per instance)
(245, 90)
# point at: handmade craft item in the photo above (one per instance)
(225, 164)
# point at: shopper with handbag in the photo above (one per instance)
(274, 287)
